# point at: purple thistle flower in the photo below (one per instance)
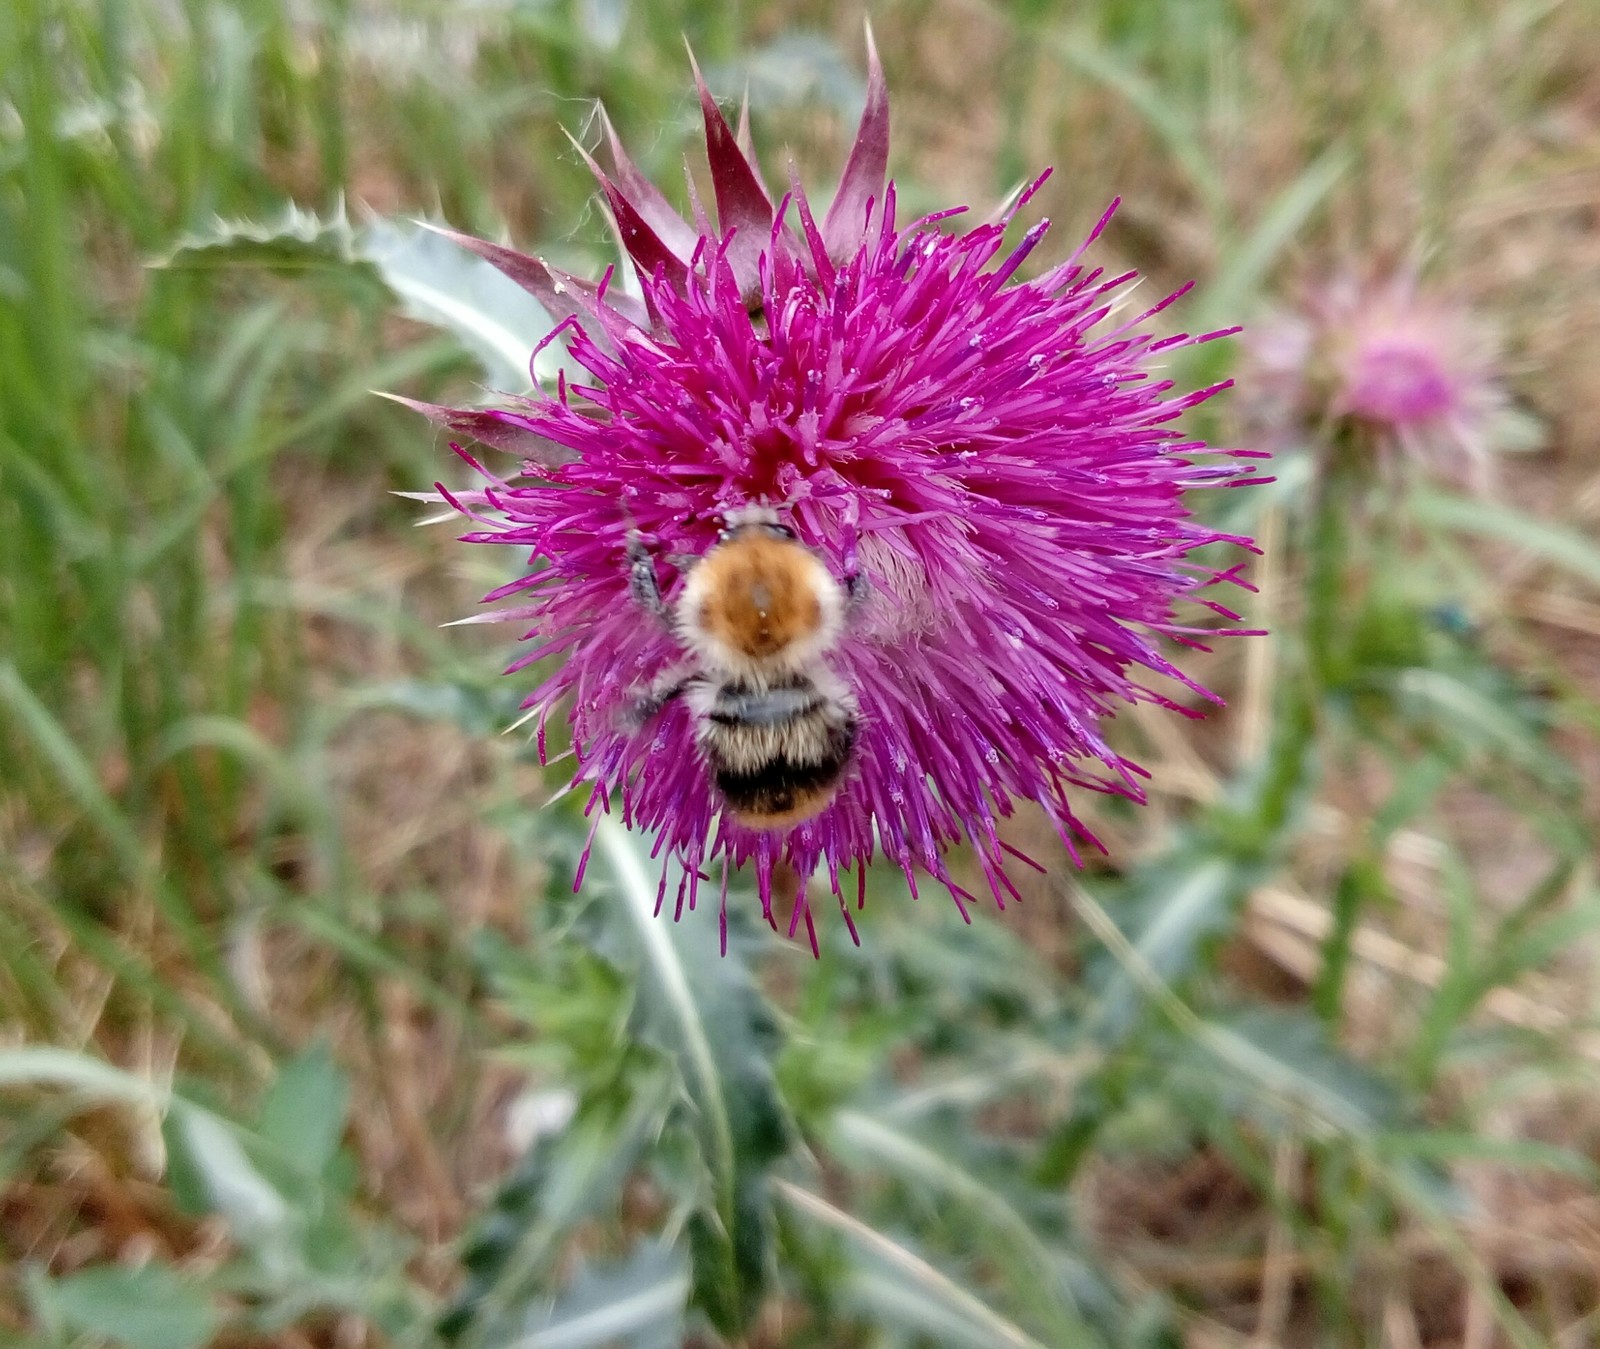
(1416, 370)
(998, 458)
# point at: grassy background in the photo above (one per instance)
(1311, 1059)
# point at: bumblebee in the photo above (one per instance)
(757, 616)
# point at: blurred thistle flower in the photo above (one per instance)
(998, 457)
(1418, 370)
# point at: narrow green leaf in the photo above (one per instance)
(1444, 1225)
(1510, 955)
(1171, 124)
(250, 747)
(705, 1012)
(1247, 264)
(73, 772)
(1170, 911)
(1035, 1273)
(637, 1303)
(1362, 880)
(78, 780)
(1470, 717)
(903, 1288)
(42, 1066)
(1444, 1145)
(1280, 1067)
(1553, 543)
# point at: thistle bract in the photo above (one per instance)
(999, 457)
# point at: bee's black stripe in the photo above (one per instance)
(781, 785)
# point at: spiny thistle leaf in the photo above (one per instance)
(498, 321)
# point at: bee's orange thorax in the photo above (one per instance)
(761, 596)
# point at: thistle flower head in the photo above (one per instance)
(1417, 370)
(998, 458)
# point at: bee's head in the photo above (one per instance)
(745, 521)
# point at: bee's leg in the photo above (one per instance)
(855, 580)
(642, 583)
(664, 688)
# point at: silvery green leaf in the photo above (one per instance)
(440, 284)
(1278, 1067)
(143, 1307)
(45, 1066)
(231, 1183)
(303, 1114)
(636, 1303)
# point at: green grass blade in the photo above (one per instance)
(1034, 1273)
(1171, 124)
(73, 773)
(44, 1066)
(1556, 544)
(1229, 296)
